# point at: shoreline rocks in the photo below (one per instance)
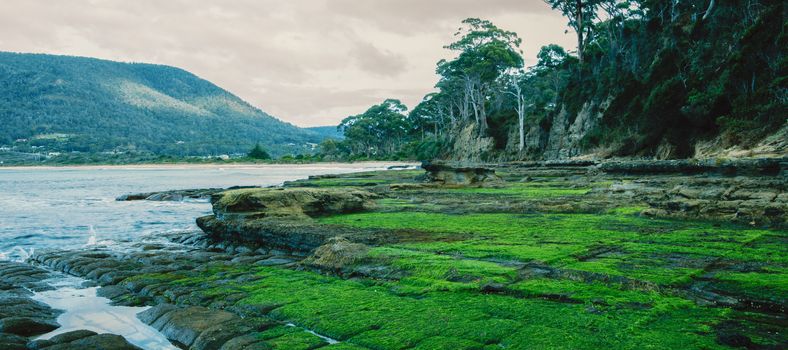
(281, 218)
(22, 318)
(176, 195)
(460, 174)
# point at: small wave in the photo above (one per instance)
(27, 236)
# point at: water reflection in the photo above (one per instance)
(85, 310)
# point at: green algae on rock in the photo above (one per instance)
(554, 256)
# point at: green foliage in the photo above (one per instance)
(258, 153)
(673, 75)
(379, 131)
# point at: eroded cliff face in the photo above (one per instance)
(561, 138)
(566, 135)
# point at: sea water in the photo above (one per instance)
(70, 207)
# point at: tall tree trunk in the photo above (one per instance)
(580, 31)
(708, 10)
(521, 117)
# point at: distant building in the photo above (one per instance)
(223, 157)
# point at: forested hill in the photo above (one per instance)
(65, 104)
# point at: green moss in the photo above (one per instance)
(612, 280)
(523, 190)
(770, 283)
(297, 341)
(627, 210)
(378, 317)
(657, 251)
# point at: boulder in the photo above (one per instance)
(150, 316)
(460, 174)
(185, 326)
(97, 342)
(336, 254)
(281, 218)
(27, 326)
(245, 342)
(291, 202)
(72, 336)
(214, 337)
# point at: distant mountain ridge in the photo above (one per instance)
(331, 131)
(66, 103)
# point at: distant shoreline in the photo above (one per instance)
(202, 166)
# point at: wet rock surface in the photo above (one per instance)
(22, 318)
(189, 317)
(176, 195)
(83, 339)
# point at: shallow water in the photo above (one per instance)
(56, 207)
(84, 310)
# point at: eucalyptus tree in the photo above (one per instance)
(513, 86)
(581, 14)
(380, 130)
(485, 53)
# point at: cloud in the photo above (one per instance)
(309, 62)
(379, 61)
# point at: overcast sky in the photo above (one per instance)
(308, 62)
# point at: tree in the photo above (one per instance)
(580, 14)
(514, 87)
(258, 152)
(381, 130)
(486, 52)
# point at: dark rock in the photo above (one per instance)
(274, 262)
(395, 167)
(39, 344)
(493, 288)
(165, 197)
(214, 337)
(97, 342)
(174, 195)
(24, 306)
(12, 341)
(150, 316)
(184, 326)
(27, 326)
(72, 336)
(245, 342)
(111, 292)
(731, 167)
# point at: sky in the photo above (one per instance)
(307, 62)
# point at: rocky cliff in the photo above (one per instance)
(567, 135)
